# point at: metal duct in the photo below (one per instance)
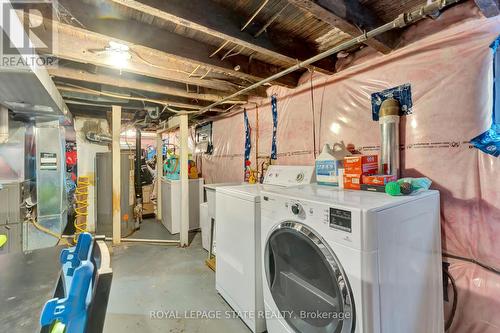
(26, 88)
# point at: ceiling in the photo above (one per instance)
(186, 55)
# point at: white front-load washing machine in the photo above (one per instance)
(237, 223)
(341, 261)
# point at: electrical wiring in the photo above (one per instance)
(49, 232)
(474, 261)
(449, 322)
(189, 74)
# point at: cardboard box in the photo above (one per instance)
(361, 164)
(146, 193)
(380, 180)
(352, 182)
(148, 209)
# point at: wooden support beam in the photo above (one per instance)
(116, 119)
(172, 103)
(210, 18)
(178, 47)
(489, 8)
(184, 156)
(121, 82)
(351, 17)
(159, 173)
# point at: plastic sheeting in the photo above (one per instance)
(450, 73)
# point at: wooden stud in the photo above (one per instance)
(184, 156)
(116, 157)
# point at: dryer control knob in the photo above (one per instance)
(296, 209)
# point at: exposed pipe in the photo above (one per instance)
(139, 240)
(137, 178)
(264, 3)
(4, 124)
(401, 21)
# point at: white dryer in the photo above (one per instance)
(238, 268)
(339, 261)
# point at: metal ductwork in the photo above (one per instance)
(25, 86)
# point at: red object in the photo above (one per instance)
(352, 182)
(378, 179)
(71, 158)
(361, 164)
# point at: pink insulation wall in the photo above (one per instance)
(450, 72)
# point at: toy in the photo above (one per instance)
(171, 167)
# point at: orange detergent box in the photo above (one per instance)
(378, 179)
(352, 182)
(361, 164)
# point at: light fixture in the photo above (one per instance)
(119, 54)
(335, 128)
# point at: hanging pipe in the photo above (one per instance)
(401, 21)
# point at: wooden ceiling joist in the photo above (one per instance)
(349, 16)
(127, 83)
(489, 8)
(210, 18)
(175, 104)
(180, 48)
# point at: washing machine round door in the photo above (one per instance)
(307, 282)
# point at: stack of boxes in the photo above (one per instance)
(360, 173)
(355, 167)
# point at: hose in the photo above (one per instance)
(81, 198)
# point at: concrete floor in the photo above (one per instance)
(152, 278)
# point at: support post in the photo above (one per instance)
(159, 174)
(184, 155)
(115, 151)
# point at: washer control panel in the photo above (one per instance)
(289, 175)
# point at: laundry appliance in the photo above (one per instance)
(340, 261)
(237, 211)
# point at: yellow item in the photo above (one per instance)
(193, 172)
(58, 327)
(3, 240)
(50, 232)
(252, 179)
(81, 209)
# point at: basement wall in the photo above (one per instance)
(451, 77)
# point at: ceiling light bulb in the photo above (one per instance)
(119, 54)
